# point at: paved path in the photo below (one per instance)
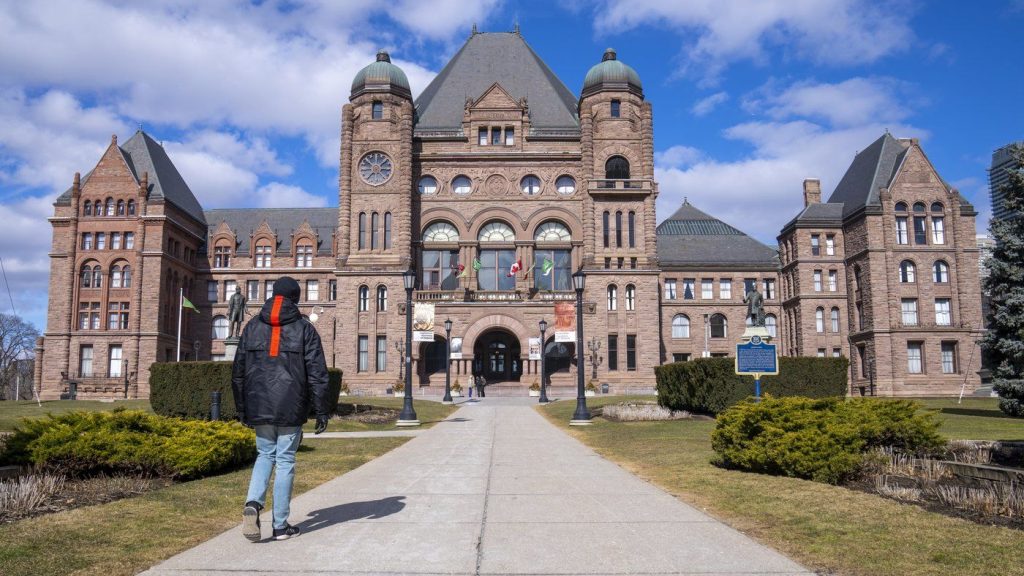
(495, 489)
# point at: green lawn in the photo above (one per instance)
(975, 419)
(829, 529)
(128, 536)
(13, 412)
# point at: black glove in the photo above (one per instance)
(321, 424)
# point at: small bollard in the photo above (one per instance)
(215, 406)
(73, 391)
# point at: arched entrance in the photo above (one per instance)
(559, 357)
(496, 357)
(432, 358)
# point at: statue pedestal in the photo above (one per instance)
(752, 331)
(230, 347)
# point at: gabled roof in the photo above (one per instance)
(142, 154)
(818, 214)
(283, 221)
(505, 58)
(691, 237)
(872, 168)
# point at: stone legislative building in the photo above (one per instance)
(494, 187)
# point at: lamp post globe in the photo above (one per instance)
(543, 325)
(582, 416)
(408, 415)
(447, 362)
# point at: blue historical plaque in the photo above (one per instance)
(756, 358)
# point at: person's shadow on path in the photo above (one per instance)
(370, 510)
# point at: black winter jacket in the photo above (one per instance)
(279, 367)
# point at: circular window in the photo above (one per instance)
(462, 185)
(375, 168)
(427, 185)
(530, 185)
(565, 185)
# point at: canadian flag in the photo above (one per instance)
(516, 267)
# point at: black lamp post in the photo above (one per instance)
(543, 385)
(400, 346)
(408, 414)
(447, 362)
(582, 416)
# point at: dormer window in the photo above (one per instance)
(377, 110)
(616, 105)
(496, 136)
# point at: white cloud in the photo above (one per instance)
(678, 157)
(852, 102)
(277, 195)
(719, 32)
(704, 106)
(24, 242)
(438, 19)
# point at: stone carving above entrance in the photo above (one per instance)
(496, 185)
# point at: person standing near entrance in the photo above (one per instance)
(279, 370)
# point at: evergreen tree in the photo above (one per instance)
(1004, 342)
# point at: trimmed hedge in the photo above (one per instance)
(82, 444)
(183, 389)
(710, 385)
(825, 440)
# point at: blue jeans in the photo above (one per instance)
(275, 445)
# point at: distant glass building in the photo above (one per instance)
(1002, 163)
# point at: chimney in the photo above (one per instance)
(812, 191)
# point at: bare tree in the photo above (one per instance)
(17, 345)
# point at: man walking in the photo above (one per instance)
(279, 369)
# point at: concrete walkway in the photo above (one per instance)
(495, 489)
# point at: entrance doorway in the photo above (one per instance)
(496, 357)
(432, 360)
(559, 357)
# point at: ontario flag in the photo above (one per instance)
(516, 267)
(462, 271)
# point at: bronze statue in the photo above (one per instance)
(755, 306)
(236, 312)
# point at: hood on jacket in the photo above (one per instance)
(279, 311)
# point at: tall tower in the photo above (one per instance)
(1002, 163)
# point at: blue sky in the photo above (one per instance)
(749, 98)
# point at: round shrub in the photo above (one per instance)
(81, 444)
(818, 439)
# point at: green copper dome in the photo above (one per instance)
(611, 72)
(381, 75)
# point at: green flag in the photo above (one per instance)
(185, 303)
(477, 265)
(547, 266)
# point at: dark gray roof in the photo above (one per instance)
(283, 221)
(143, 154)
(505, 58)
(872, 168)
(693, 238)
(827, 214)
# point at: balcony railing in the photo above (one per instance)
(491, 295)
(634, 186)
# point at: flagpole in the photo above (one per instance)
(181, 295)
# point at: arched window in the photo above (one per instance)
(120, 207)
(97, 277)
(263, 254)
(630, 297)
(387, 230)
(819, 320)
(362, 230)
(441, 232)
(616, 168)
(919, 207)
(901, 206)
(496, 232)
(605, 226)
(613, 297)
(126, 276)
(86, 275)
(530, 185)
(680, 326)
(552, 231)
(941, 272)
(220, 327)
(222, 254)
(719, 326)
(374, 225)
(131, 207)
(382, 298)
(771, 324)
(364, 298)
(110, 206)
(907, 272)
(834, 318)
(632, 229)
(937, 207)
(304, 254)
(115, 276)
(87, 208)
(618, 229)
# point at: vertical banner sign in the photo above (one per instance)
(423, 322)
(565, 321)
(456, 348)
(535, 348)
